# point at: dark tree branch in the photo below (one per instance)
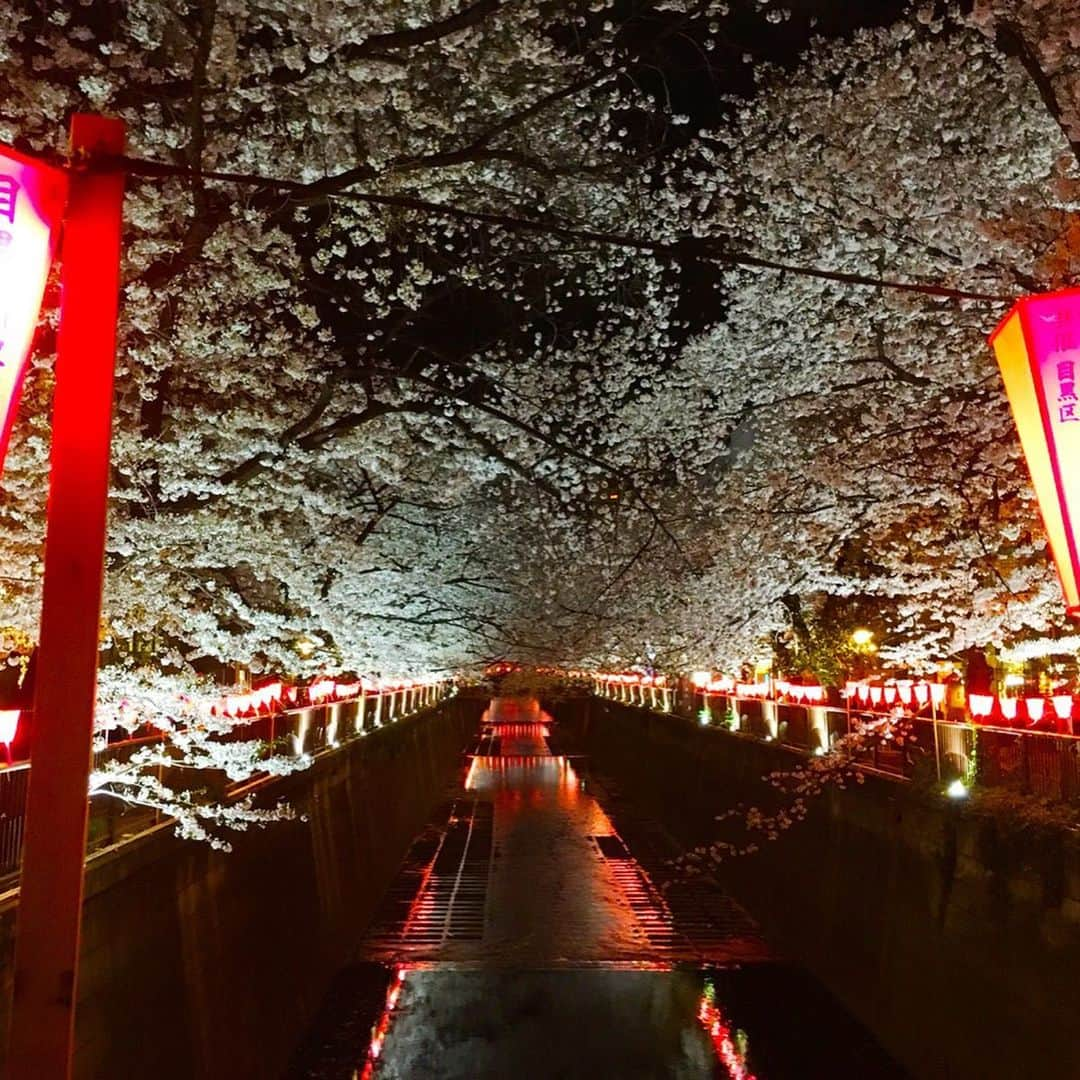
(1011, 41)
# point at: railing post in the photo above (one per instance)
(937, 744)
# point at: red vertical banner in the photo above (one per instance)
(32, 199)
(50, 897)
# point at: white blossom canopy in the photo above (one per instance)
(486, 374)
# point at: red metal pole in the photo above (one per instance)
(50, 900)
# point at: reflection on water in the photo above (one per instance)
(732, 1048)
(465, 1025)
(562, 979)
(762, 1023)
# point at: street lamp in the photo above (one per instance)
(1038, 351)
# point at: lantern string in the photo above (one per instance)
(685, 249)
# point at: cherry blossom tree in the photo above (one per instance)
(487, 347)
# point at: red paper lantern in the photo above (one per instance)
(1038, 351)
(32, 197)
(9, 724)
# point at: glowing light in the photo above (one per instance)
(957, 790)
(904, 690)
(1035, 707)
(862, 637)
(889, 693)
(981, 704)
(1063, 706)
(1038, 350)
(321, 691)
(751, 689)
(382, 1027)
(724, 1043)
(875, 695)
(32, 199)
(1008, 707)
(9, 723)
(701, 679)
(237, 704)
(937, 694)
(922, 694)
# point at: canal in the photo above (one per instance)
(526, 937)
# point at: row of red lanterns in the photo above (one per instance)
(906, 692)
(274, 697)
(982, 706)
(631, 679)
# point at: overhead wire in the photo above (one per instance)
(687, 248)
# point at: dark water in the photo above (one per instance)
(761, 1023)
(534, 945)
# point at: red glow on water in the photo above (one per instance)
(382, 1026)
(727, 1053)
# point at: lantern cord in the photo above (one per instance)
(685, 249)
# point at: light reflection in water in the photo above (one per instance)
(381, 1027)
(731, 1051)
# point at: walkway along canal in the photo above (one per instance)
(524, 937)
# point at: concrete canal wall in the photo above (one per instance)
(201, 964)
(953, 935)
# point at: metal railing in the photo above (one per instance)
(1041, 763)
(311, 729)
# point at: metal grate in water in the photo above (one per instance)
(692, 921)
(612, 847)
(487, 744)
(446, 896)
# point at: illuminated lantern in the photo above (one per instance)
(981, 704)
(321, 691)
(1008, 707)
(937, 694)
(875, 696)
(904, 691)
(922, 694)
(701, 679)
(1038, 350)
(849, 689)
(9, 723)
(1034, 706)
(1063, 705)
(864, 693)
(890, 694)
(237, 704)
(32, 197)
